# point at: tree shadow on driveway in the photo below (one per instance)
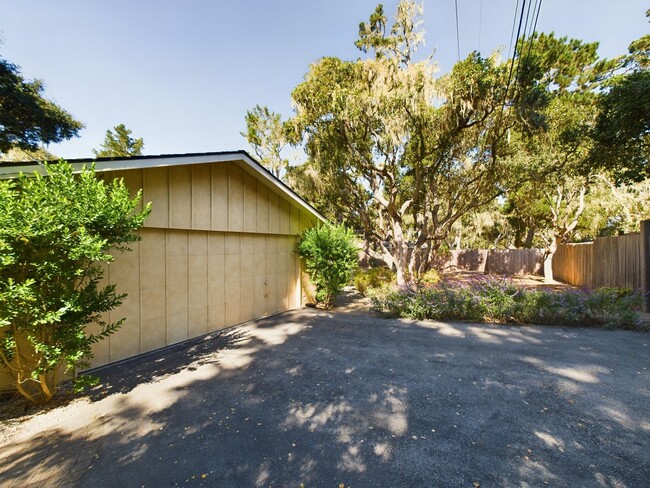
(323, 398)
(122, 377)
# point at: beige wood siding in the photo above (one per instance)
(183, 284)
(219, 197)
(217, 250)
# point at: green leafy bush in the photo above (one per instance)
(372, 279)
(55, 231)
(331, 258)
(499, 300)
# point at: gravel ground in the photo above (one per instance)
(324, 398)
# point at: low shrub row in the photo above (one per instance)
(499, 300)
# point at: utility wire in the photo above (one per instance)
(512, 33)
(480, 25)
(530, 37)
(519, 46)
(457, 31)
(532, 34)
(514, 55)
(526, 25)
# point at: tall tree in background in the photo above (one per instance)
(119, 143)
(614, 208)
(265, 134)
(27, 119)
(568, 74)
(623, 130)
(406, 154)
(410, 158)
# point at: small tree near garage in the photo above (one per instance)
(56, 233)
(331, 258)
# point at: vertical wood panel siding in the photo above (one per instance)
(183, 284)
(217, 250)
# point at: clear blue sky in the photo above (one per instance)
(182, 73)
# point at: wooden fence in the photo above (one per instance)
(608, 261)
(498, 261)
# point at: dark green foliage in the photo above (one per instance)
(119, 143)
(330, 255)
(26, 118)
(55, 233)
(623, 128)
(499, 300)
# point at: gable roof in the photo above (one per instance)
(9, 170)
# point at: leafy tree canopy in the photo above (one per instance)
(622, 132)
(27, 119)
(407, 157)
(404, 153)
(265, 134)
(119, 143)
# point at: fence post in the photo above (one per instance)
(645, 264)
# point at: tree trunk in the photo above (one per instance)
(402, 276)
(530, 234)
(548, 261)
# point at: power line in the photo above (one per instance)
(480, 25)
(526, 25)
(512, 33)
(457, 31)
(514, 55)
(519, 47)
(530, 36)
(539, 7)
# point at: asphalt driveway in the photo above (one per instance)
(323, 399)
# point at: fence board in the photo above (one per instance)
(608, 261)
(498, 261)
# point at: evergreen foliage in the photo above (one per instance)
(119, 143)
(27, 119)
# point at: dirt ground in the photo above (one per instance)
(528, 281)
